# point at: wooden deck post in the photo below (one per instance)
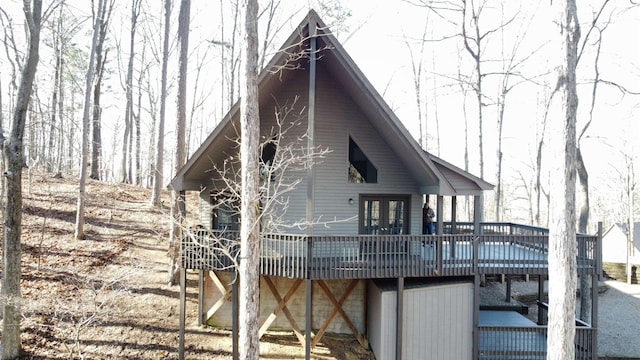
(477, 213)
(201, 319)
(313, 33)
(183, 303)
(540, 299)
(439, 215)
(454, 215)
(476, 316)
(595, 278)
(399, 316)
(235, 306)
(307, 320)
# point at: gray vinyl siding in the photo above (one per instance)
(337, 118)
(437, 321)
(292, 95)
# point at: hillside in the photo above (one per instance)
(106, 296)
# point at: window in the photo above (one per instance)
(267, 158)
(361, 170)
(224, 214)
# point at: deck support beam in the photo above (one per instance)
(541, 320)
(439, 215)
(183, 303)
(454, 215)
(477, 213)
(399, 317)
(311, 174)
(476, 317)
(235, 318)
(595, 278)
(307, 319)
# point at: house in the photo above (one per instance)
(617, 251)
(347, 224)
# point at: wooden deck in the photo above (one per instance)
(388, 256)
(508, 335)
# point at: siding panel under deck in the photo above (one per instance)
(437, 320)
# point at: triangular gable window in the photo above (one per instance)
(361, 170)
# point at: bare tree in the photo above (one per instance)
(416, 71)
(101, 60)
(57, 81)
(128, 115)
(177, 201)
(86, 126)
(159, 163)
(562, 147)
(249, 227)
(14, 162)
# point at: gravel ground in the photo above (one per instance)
(618, 314)
(619, 320)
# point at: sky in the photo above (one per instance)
(378, 37)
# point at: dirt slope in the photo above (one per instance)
(106, 297)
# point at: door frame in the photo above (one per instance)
(384, 207)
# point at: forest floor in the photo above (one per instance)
(107, 297)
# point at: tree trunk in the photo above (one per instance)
(13, 153)
(57, 43)
(176, 197)
(249, 226)
(159, 168)
(562, 151)
(60, 104)
(79, 231)
(128, 114)
(101, 60)
(136, 118)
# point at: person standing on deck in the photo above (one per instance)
(427, 219)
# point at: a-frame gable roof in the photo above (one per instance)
(429, 173)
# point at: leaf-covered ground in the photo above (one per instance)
(107, 297)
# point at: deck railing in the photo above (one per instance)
(385, 256)
(518, 342)
(493, 228)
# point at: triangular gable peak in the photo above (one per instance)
(431, 177)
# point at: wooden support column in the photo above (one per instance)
(454, 215)
(307, 320)
(235, 318)
(313, 47)
(183, 303)
(439, 215)
(477, 213)
(454, 226)
(201, 319)
(477, 218)
(540, 299)
(476, 316)
(399, 317)
(594, 290)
